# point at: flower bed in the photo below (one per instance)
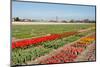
(28, 42)
(70, 53)
(66, 55)
(26, 53)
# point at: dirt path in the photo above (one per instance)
(85, 30)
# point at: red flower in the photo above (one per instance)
(28, 42)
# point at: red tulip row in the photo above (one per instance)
(67, 54)
(28, 42)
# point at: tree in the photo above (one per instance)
(16, 19)
(72, 21)
(64, 21)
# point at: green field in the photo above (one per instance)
(28, 31)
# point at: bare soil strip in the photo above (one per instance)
(44, 23)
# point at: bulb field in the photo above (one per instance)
(53, 44)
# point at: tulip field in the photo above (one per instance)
(53, 44)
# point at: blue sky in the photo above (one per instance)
(50, 11)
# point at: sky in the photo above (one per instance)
(47, 11)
